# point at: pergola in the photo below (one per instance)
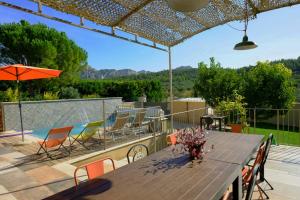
(153, 20)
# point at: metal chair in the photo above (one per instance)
(252, 183)
(94, 169)
(250, 187)
(172, 139)
(262, 168)
(247, 171)
(137, 152)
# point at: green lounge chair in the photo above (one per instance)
(87, 133)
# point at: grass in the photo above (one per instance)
(281, 136)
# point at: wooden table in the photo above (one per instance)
(214, 117)
(169, 176)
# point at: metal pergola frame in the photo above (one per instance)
(255, 9)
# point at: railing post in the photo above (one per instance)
(254, 120)
(104, 119)
(277, 119)
(154, 125)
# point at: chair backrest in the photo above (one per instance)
(258, 161)
(90, 129)
(268, 147)
(139, 118)
(56, 136)
(94, 169)
(172, 139)
(251, 185)
(137, 152)
(120, 122)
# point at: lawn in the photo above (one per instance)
(281, 136)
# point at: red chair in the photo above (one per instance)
(94, 169)
(247, 171)
(172, 139)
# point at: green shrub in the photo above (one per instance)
(69, 93)
(11, 95)
(50, 96)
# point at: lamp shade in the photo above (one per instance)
(245, 44)
(187, 5)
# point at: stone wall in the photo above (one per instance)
(56, 113)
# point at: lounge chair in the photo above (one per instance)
(55, 138)
(139, 121)
(87, 133)
(94, 169)
(119, 125)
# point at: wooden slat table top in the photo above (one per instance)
(167, 175)
(232, 147)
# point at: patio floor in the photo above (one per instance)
(22, 176)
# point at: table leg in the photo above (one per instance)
(220, 125)
(237, 188)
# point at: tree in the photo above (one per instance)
(269, 86)
(43, 47)
(215, 83)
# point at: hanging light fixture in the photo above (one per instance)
(245, 44)
(187, 5)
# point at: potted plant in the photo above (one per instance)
(192, 141)
(235, 111)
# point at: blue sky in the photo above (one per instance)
(276, 32)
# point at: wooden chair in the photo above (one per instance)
(87, 133)
(137, 152)
(55, 138)
(94, 169)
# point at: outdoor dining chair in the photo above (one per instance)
(266, 154)
(250, 188)
(55, 138)
(90, 130)
(137, 152)
(247, 171)
(172, 139)
(94, 169)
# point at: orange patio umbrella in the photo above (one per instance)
(19, 72)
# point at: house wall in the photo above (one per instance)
(56, 113)
(191, 116)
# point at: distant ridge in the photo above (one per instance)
(92, 73)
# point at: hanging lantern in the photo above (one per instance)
(187, 5)
(245, 44)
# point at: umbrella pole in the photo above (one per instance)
(20, 110)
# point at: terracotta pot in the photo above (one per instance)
(236, 128)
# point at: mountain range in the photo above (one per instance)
(92, 73)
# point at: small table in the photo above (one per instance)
(169, 176)
(220, 119)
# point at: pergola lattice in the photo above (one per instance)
(154, 19)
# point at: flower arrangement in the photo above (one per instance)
(192, 140)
